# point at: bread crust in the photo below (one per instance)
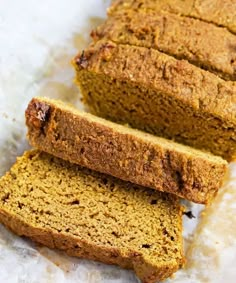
(202, 44)
(219, 13)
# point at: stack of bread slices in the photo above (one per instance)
(108, 192)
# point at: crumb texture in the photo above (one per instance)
(92, 216)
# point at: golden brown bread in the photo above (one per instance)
(157, 93)
(92, 215)
(218, 12)
(203, 44)
(123, 152)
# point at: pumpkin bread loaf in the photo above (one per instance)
(155, 92)
(123, 152)
(93, 216)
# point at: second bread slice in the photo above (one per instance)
(123, 152)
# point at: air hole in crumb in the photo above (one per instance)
(172, 238)
(77, 247)
(165, 232)
(232, 61)
(75, 202)
(154, 201)
(104, 180)
(5, 197)
(67, 230)
(82, 150)
(115, 234)
(146, 246)
(20, 205)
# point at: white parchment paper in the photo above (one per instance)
(37, 41)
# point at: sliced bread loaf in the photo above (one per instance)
(123, 152)
(92, 216)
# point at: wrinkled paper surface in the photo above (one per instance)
(38, 40)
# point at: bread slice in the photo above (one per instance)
(157, 93)
(219, 13)
(92, 216)
(123, 152)
(181, 37)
